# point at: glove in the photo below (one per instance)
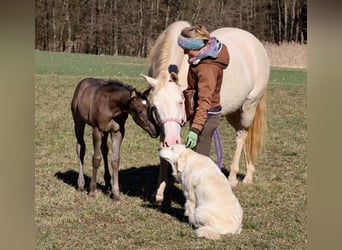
(191, 140)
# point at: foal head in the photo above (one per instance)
(140, 110)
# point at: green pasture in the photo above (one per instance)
(69, 64)
(274, 206)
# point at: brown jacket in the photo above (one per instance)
(204, 86)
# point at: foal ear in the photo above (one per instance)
(146, 92)
(133, 93)
(174, 77)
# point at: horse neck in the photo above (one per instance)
(183, 73)
(160, 66)
(166, 51)
(119, 101)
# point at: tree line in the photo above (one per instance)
(129, 27)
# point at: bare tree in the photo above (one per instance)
(54, 30)
(293, 18)
(69, 43)
(129, 27)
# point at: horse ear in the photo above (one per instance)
(151, 81)
(174, 77)
(133, 93)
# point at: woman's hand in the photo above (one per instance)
(191, 140)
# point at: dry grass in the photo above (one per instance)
(274, 207)
(287, 55)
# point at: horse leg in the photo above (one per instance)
(96, 160)
(255, 117)
(234, 167)
(241, 134)
(104, 151)
(80, 150)
(116, 144)
(250, 168)
(162, 181)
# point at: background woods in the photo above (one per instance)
(129, 27)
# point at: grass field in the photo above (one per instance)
(68, 64)
(274, 207)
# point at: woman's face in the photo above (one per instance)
(191, 53)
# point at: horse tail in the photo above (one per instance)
(255, 141)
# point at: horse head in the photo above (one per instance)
(167, 101)
(140, 110)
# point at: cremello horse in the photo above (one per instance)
(243, 94)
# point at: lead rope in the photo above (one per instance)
(218, 148)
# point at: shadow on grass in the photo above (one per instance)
(141, 182)
(238, 176)
(138, 182)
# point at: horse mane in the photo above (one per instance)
(161, 53)
(117, 85)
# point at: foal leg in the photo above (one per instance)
(104, 150)
(96, 159)
(80, 150)
(116, 144)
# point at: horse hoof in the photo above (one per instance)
(115, 197)
(158, 200)
(107, 188)
(91, 194)
(233, 182)
(247, 182)
(81, 189)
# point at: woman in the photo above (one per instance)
(207, 58)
